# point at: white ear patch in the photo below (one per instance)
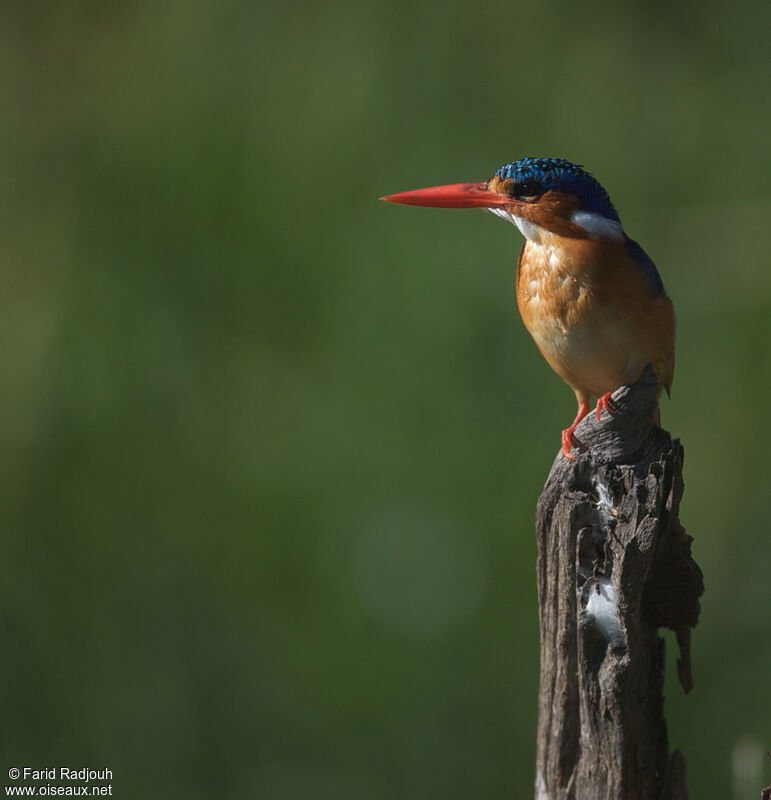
(528, 229)
(598, 226)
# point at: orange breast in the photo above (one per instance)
(592, 313)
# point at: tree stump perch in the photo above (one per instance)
(614, 565)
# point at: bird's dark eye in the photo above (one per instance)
(526, 190)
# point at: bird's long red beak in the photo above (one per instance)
(456, 195)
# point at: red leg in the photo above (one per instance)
(604, 402)
(567, 434)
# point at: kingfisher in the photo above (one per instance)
(590, 296)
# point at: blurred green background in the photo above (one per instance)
(271, 449)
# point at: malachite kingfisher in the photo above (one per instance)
(588, 294)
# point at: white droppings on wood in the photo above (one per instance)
(602, 606)
(604, 500)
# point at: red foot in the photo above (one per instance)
(567, 434)
(604, 402)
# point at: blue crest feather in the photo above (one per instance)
(558, 174)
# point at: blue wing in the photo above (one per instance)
(646, 266)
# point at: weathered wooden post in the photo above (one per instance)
(614, 565)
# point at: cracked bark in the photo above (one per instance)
(607, 525)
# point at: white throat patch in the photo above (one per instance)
(528, 229)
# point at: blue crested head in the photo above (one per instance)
(536, 175)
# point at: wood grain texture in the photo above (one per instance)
(607, 523)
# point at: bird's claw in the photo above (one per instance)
(567, 434)
(604, 402)
(567, 443)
